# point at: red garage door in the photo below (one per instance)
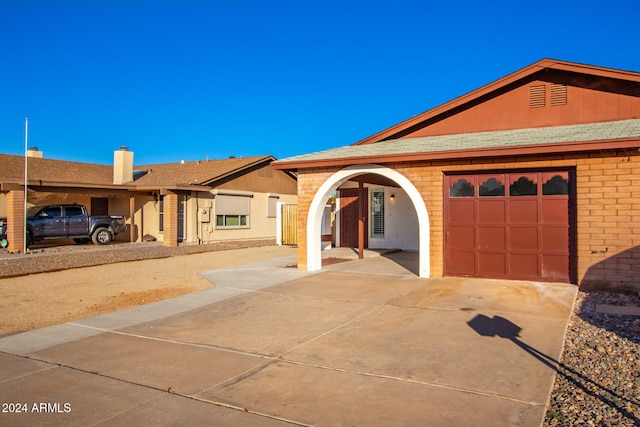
(508, 225)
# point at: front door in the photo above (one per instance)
(349, 213)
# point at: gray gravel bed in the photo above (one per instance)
(41, 260)
(598, 379)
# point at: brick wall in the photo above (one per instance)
(15, 227)
(607, 229)
(307, 188)
(608, 232)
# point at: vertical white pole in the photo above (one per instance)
(26, 139)
(279, 223)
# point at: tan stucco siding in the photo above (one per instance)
(260, 226)
(264, 180)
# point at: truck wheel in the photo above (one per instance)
(101, 236)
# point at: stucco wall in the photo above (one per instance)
(197, 231)
(607, 237)
(400, 220)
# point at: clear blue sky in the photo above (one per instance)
(204, 79)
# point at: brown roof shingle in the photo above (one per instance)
(75, 174)
(55, 171)
(200, 172)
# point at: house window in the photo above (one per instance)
(377, 213)
(272, 205)
(232, 211)
(231, 221)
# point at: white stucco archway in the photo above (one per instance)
(314, 219)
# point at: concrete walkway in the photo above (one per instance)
(360, 343)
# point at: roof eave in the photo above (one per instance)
(45, 183)
(522, 150)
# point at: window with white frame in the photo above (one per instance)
(232, 211)
(377, 213)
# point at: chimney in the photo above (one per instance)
(33, 152)
(122, 166)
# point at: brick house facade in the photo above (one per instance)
(550, 121)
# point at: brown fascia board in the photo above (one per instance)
(171, 187)
(523, 150)
(6, 186)
(58, 184)
(496, 85)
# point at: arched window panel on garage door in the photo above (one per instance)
(555, 183)
(523, 185)
(492, 187)
(461, 187)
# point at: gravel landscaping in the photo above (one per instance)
(598, 380)
(54, 258)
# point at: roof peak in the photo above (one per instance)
(495, 86)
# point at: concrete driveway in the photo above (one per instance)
(360, 343)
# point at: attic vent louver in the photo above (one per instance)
(537, 96)
(558, 94)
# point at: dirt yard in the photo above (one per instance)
(44, 299)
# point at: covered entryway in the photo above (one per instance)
(316, 210)
(509, 225)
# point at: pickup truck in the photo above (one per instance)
(68, 221)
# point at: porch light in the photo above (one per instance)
(392, 197)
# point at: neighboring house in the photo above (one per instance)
(191, 202)
(535, 176)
